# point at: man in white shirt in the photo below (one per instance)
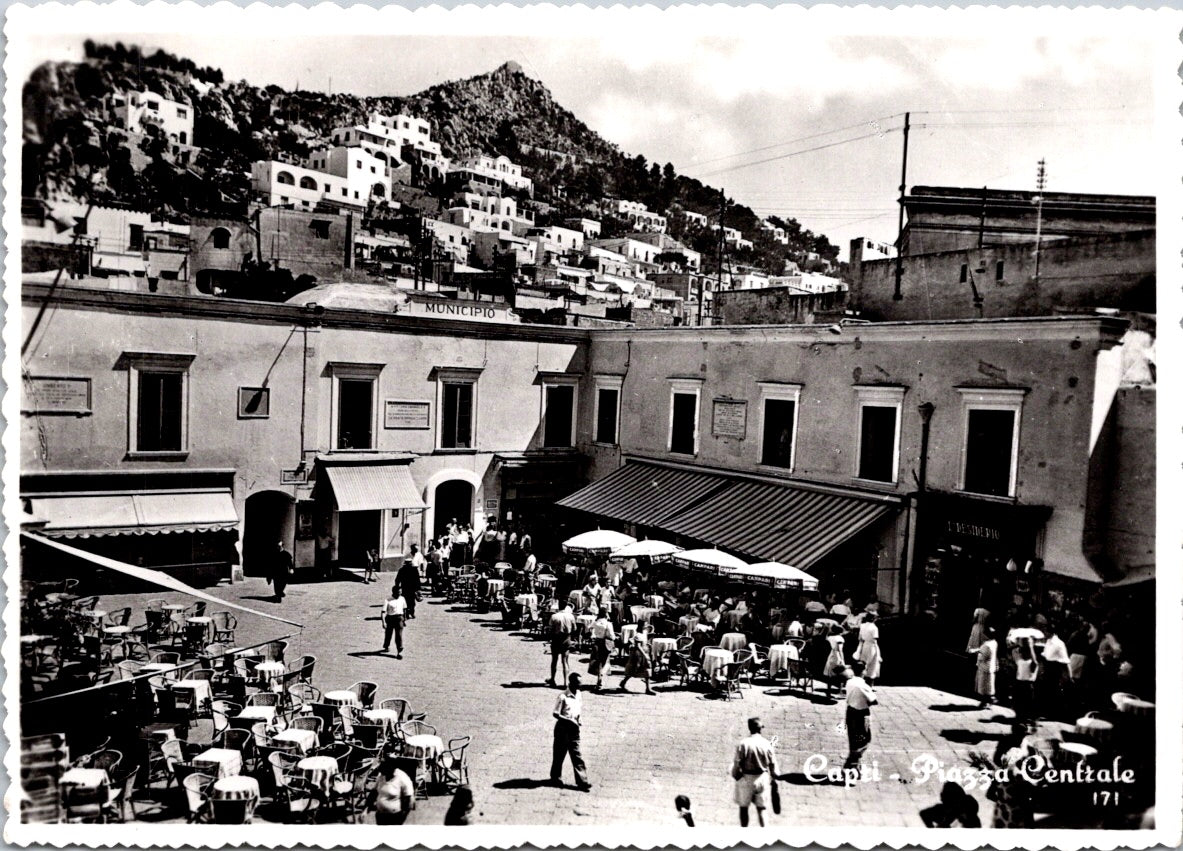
(393, 612)
(753, 769)
(859, 700)
(568, 714)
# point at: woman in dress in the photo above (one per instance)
(638, 664)
(987, 667)
(836, 660)
(603, 637)
(868, 651)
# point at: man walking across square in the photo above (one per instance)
(859, 700)
(562, 627)
(568, 718)
(754, 769)
(393, 612)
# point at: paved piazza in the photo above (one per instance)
(473, 677)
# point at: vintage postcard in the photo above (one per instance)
(566, 426)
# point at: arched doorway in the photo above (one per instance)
(453, 499)
(269, 519)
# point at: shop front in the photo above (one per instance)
(531, 484)
(975, 553)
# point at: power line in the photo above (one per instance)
(870, 122)
(798, 153)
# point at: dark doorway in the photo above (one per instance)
(357, 532)
(453, 499)
(268, 521)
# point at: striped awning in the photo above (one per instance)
(372, 487)
(774, 522)
(96, 515)
(644, 494)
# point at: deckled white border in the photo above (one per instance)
(90, 19)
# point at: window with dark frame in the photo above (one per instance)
(964, 273)
(355, 413)
(777, 450)
(877, 443)
(135, 237)
(607, 401)
(998, 270)
(456, 415)
(159, 412)
(319, 228)
(685, 418)
(560, 410)
(989, 443)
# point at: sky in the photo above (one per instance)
(740, 106)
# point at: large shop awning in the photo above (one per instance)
(774, 522)
(644, 494)
(768, 521)
(374, 487)
(96, 515)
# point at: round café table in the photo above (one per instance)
(388, 718)
(687, 623)
(655, 600)
(1097, 730)
(496, 586)
(715, 659)
(237, 787)
(576, 598)
(585, 622)
(269, 673)
(424, 746)
(642, 614)
(733, 641)
(661, 646)
(528, 602)
(1069, 754)
(319, 770)
(627, 632)
(341, 697)
(779, 656)
(174, 607)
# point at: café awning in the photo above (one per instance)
(775, 522)
(644, 493)
(372, 487)
(154, 513)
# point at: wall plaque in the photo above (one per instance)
(400, 414)
(55, 395)
(729, 418)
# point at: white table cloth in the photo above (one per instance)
(715, 659)
(662, 646)
(237, 787)
(655, 600)
(642, 614)
(220, 762)
(687, 623)
(320, 770)
(305, 739)
(200, 688)
(733, 641)
(254, 714)
(341, 697)
(91, 778)
(424, 746)
(496, 586)
(779, 656)
(386, 717)
(270, 672)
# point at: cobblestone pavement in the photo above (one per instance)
(472, 677)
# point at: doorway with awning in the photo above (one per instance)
(364, 500)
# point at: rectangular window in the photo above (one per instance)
(355, 413)
(182, 112)
(998, 270)
(135, 237)
(456, 414)
(160, 412)
(684, 416)
(878, 452)
(964, 273)
(319, 228)
(877, 443)
(154, 105)
(607, 414)
(988, 440)
(779, 418)
(559, 416)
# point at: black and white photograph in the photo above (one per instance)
(617, 425)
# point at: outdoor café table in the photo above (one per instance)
(545, 582)
(687, 623)
(270, 672)
(576, 598)
(642, 614)
(734, 641)
(733, 617)
(319, 770)
(661, 646)
(1068, 754)
(424, 746)
(496, 586)
(527, 601)
(60, 597)
(90, 778)
(200, 689)
(1137, 706)
(627, 632)
(174, 607)
(778, 630)
(221, 762)
(779, 656)
(714, 660)
(655, 600)
(341, 697)
(305, 739)
(386, 717)
(238, 787)
(35, 641)
(1097, 730)
(585, 622)
(251, 715)
(94, 614)
(158, 667)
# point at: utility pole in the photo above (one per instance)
(899, 239)
(1040, 184)
(722, 241)
(982, 221)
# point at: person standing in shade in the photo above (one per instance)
(859, 700)
(281, 570)
(568, 715)
(562, 627)
(324, 553)
(393, 612)
(753, 769)
(372, 564)
(408, 580)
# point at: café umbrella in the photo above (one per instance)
(775, 575)
(711, 561)
(655, 551)
(598, 542)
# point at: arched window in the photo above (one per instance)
(286, 178)
(505, 225)
(379, 190)
(220, 237)
(307, 182)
